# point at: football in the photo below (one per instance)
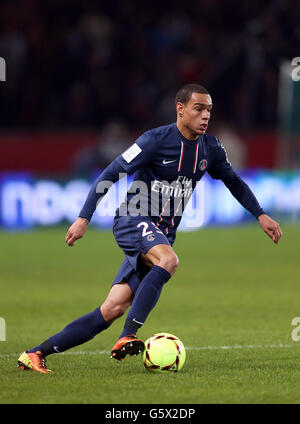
(163, 352)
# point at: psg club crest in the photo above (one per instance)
(203, 165)
(150, 237)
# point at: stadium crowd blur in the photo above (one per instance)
(99, 64)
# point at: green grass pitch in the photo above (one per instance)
(231, 302)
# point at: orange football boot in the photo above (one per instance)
(128, 345)
(33, 361)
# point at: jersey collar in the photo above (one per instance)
(185, 140)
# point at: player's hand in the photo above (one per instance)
(270, 227)
(76, 231)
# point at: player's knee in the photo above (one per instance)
(112, 310)
(118, 310)
(170, 263)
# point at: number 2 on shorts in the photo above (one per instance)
(145, 226)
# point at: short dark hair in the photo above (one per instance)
(184, 94)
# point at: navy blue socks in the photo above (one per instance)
(86, 327)
(145, 299)
(77, 332)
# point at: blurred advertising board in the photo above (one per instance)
(26, 202)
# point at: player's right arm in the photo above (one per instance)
(136, 156)
(76, 231)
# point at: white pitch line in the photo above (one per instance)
(267, 346)
(107, 352)
(95, 352)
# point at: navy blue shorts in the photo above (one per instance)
(135, 235)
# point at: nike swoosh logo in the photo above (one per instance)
(138, 322)
(165, 162)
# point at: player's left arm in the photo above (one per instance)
(221, 169)
(270, 227)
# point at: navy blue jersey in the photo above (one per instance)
(167, 168)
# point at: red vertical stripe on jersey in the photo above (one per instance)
(181, 156)
(172, 220)
(162, 212)
(196, 158)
